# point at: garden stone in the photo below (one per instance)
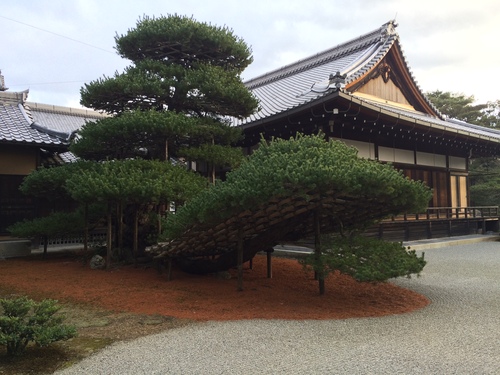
(97, 262)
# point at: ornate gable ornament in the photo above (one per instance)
(385, 71)
(2, 83)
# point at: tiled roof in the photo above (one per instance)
(49, 158)
(39, 124)
(302, 83)
(61, 120)
(68, 157)
(15, 127)
(309, 79)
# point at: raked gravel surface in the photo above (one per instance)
(458, 333)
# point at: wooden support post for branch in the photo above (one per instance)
(213, 164)
(317, 250)
(45, 245)
(119, 221)
(158, 217)
(240, 258)
(169, 269)
(136, 234)
(85, 233)
(109, 238)
(269, 263)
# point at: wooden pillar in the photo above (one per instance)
(240, 258)
(317, 250)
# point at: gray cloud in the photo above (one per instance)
(442, 40)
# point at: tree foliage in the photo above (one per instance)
(150, 135)
(135, 181)
(215, 155)
(185, 77)
(129, 181)
(299, 165)
(185, 41)
(25, 320)
(485, 182)
(462, 107)
(169, 107)
(364, 259)
(179, 64)
(50, 182)
(484, 172)
(56, 225)
(109, 184)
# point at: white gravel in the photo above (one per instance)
(459, 333)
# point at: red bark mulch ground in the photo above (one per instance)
(292, 293)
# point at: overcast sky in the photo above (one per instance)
(52, 47)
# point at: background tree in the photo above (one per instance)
(456, 106)
(56, 225)
(484, 172)
(49, 184)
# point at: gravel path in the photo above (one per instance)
(459, 333)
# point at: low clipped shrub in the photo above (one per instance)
(24, 321)
(364, 259)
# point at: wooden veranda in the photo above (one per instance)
(438, 222)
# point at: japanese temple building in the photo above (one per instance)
(31, 135)
(363, 93)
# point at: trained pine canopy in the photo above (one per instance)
(274, 195)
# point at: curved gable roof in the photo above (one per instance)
(343, 66)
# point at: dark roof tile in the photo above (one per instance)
(16, 128)
(39, 124)
(308, 79)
